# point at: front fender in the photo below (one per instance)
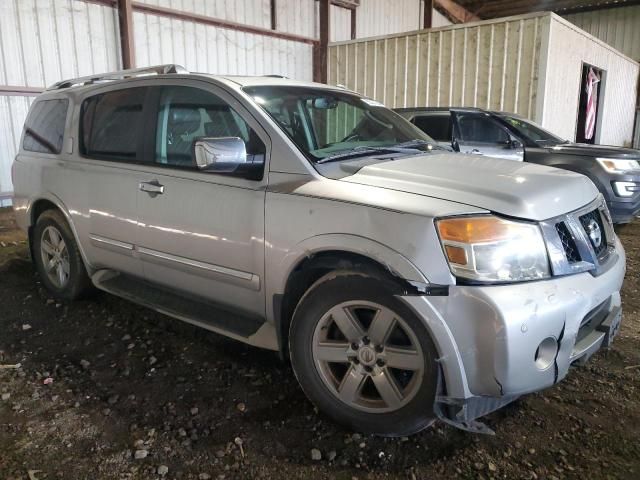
(395, 262)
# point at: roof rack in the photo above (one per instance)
(119, 75)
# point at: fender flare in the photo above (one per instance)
(395, 262)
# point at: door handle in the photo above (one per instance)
(153, 188)
(475, 151)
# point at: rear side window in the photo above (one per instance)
(480, 129)
(437, 127)
(111, 124)
(44, 128)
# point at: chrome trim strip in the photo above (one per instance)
(101, 241)
(206, 267)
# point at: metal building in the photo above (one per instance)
(529, 64)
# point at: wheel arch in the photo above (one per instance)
(40, 205)
(319, 255)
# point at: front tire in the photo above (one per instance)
(57, 257)
(363, 357)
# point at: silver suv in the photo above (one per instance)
(405, 282)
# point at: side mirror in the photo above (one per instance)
(220, 154)
(515, 144)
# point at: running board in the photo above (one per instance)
(237, 325)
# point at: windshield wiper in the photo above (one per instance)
(420, 143)
(362, 151)
(358, 152)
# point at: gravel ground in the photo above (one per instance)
(108, 390)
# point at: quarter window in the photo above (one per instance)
(44, 128)
(187, 114)
(112, 124)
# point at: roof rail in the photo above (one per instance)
(274, 75)
(119, 75)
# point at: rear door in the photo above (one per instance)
(479, 134)
(201, 232)
(438, 125)
(110, 148)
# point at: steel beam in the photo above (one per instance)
(125, 18)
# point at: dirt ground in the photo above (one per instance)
(108, 390)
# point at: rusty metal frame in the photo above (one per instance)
(19, 91)
(322, 47)
(125, 20)
(273, 9)
(216, 22)
(427, 18)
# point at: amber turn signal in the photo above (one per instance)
(473, 229)
(456, 255)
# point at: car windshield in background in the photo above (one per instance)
(532, 131)
(331, 125)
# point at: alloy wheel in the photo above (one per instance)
(55, 257)
(368, 356)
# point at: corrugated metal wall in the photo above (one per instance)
(619, 27)
(563, 83)
(340, 21)
(488, 64)
(383, 17)
(42, 41)
(247, 12)
(205, 48)
(298, 16)
(13, 111)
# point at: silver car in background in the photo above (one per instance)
(405, 282)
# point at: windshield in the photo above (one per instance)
(331, 125)
(532, 131)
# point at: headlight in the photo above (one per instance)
(618, 165)
(492, 249)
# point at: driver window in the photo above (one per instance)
(480, 129)
(186, 114)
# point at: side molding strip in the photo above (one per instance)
(202, 267)
(99, 241)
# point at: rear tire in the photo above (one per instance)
(57, 257)
(363, 357)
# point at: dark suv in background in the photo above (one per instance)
(614, 170)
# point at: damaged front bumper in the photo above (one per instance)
(499, 342)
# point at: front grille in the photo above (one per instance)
(587, 222)
(568, 243)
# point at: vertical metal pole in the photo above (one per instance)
(125, 19)
(428, 14)
(321, 48)
(274, 15)
(353, 23)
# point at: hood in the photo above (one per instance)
(585, 149)
(511, 188)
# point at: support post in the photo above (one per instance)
(125, 20)
(353, 23)
(321, 48)
(274, 15)
(427, 14)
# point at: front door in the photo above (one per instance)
(202, 233)
(478, 134)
